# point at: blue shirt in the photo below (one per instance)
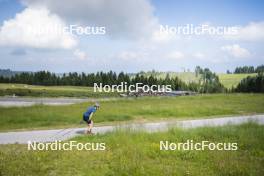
(88, 112)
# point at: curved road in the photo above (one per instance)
(64, 134)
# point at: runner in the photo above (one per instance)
(87, 117)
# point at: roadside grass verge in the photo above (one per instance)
(138, 153)
(137, 109)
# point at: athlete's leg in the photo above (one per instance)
(90, 126)
(87, 129)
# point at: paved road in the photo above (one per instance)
(64, 134)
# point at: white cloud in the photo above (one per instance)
(236, 51)
(80, 54)
(254, 31)
(199, 55)
(132, 55)
(122, 18)
(176, 55)
(34, 27)
(126, 55)
(158, 36)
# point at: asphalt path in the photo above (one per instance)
(64, 134)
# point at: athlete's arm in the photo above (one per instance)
(91, 115)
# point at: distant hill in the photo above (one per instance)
(185, 76)
(228, 80)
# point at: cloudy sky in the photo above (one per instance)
(32, 35)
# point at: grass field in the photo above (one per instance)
(51, 91)
(138, 153)
(137, 109)
(185, 76)
(229, 80)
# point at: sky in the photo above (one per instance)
(127, 35)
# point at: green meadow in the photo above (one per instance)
(228, 80)
(138, 153)
(184, 76)
(51, 91)
(132, 109)
(232, 80)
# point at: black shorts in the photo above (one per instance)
(87, 120)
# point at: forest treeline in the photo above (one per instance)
(249, 69)
(209, 82)
(251, 84)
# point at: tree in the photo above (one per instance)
(197, 71)
(251, 84)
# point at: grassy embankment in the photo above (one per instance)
(136, 109)
(138, 153)
(51, 91)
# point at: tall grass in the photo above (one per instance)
(138, 153)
